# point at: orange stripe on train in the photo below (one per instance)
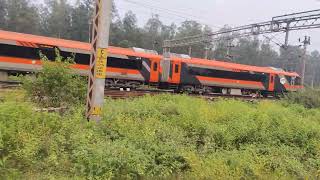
(223, 80)
(75, 66)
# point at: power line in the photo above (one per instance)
(181, 11)
(177, 14)
(271, 39)
(174, 19)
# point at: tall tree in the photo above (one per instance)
(267, 56)
(168, 31)
(132, 36)
(22, 17)
(3, 14)
(81, 18)
(190, 28)
(290, 58)
(152, 33)
(116, 31)
(247, 51)
(58, 19)
(220, 51)
(313, 69)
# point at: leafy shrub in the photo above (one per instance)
(56, 85)
(166, 137)
(309, 98)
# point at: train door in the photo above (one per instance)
(176, 72)
(271, 82)
(154, 71)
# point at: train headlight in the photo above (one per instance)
(283, 81)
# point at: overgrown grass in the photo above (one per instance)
(309, 98)
(161, 136)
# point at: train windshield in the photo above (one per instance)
(297, 81)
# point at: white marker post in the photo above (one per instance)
(98, 61)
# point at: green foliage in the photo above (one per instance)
(56, 85)
(309, 98)
(19, 16)
(162, 136)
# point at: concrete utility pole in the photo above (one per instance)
(190, 51)
(305, 42)
(206, 52)
(98, 61)
(229, 55)
(287, 30)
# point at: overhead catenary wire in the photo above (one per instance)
(179, 8)
(271, 39)
(176, 10)
(172, 12)
(150, 14)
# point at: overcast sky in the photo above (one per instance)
(217, 13)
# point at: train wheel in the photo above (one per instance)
(188, 89)
(109, 83)
(225, 91)
(133, 84)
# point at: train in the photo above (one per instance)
(136, 67)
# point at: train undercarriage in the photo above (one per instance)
(189, 89)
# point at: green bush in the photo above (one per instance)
(165, 136)
(56, 85)
(309, 98)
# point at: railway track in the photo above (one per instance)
(9, 84)
(127, 94)
(116, 93)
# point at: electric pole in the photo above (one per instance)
(306, 42)
(206, 52)
(98, 60)
(229, 55)
(287, 30)
(190, 51)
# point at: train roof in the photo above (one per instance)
(234, 66)
(21, 39)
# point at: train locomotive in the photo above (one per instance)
(135, 67)
(201, 76)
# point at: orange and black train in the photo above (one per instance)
(133, 67)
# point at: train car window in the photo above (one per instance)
(19, 51)
(298, 81)
(197, 71)
(292, 81)
(176, 69)
(124, 63)
(34, 53)
(155, 66)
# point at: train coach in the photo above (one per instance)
(201, 76)
(133, 67)
(125, 67)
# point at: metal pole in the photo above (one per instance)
(306, 42)
(286, 41)
(206, 52)
(98, 61)
(190, 51)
